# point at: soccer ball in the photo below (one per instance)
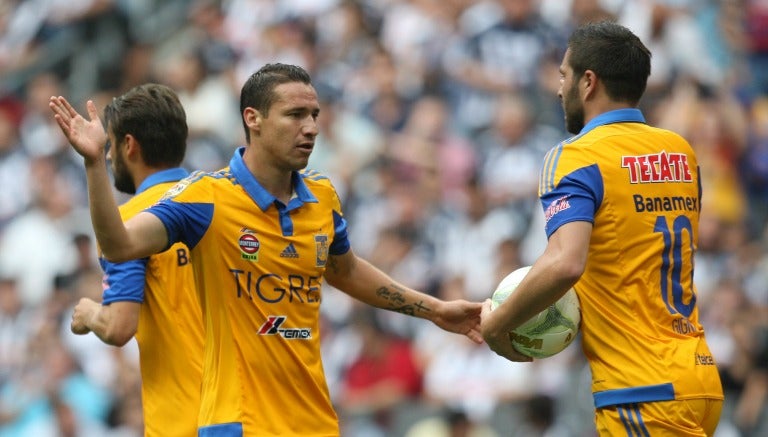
(548, 332)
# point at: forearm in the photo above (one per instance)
(540, 289)
(557, 270)
(99, 323)
(107, 224)
(114, 324)
(374, 287)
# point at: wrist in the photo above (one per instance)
(436, 309)
(95, 161)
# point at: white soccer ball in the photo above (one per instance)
(548, 332)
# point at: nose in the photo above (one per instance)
(309, 128)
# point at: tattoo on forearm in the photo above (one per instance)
(397, 303)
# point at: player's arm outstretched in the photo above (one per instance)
(361, 280)
(139, 237)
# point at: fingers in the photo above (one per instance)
(63, 125)
(520, 358)
(475, 336)
(487, 305)
(66, 107)
(64, 112)
(58, 110)
(61, 112)
(509, 352)
(92, 112)
(78, 328)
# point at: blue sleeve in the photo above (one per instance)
(184, 222)
(577, 197)
(340, 244)
(123, 281)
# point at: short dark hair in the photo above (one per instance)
(615, 54)
(151, 113)
(258, 90)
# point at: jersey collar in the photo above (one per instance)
(625, 115)
(262, 197)
(167, 175)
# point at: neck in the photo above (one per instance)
(142, 173)
(276, 181)
(601, 107)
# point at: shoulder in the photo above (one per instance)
(321, 188)
(313, 175)
(316, 181)
(573, 152)
(144, 200)
(572, 158)
(200, 182)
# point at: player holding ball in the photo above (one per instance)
(621, 201)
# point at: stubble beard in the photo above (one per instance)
(574, 111)
(123, 180)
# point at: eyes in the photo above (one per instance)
(300, 114)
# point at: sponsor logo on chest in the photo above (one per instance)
(249, 244)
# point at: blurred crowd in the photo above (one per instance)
(435, 117)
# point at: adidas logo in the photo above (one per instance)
(289, 252)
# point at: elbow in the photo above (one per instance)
(571, 270)
(113, 255)
(118, 337)
(110, 254)
(334, 282)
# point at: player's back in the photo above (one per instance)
(641, 329)
(169, 334)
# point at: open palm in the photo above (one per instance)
(86, 136)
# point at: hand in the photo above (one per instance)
(461, 317)
(87, 137)
(499, 342)
(81, 315)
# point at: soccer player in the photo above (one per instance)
(263, 235)
(621, 201)
(152, 298)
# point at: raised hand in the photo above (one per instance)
(86, 136)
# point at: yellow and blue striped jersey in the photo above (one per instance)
(170, 330)
(639, 187)
(259, 266)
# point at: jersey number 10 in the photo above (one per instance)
(672, 264)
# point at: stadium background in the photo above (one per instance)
(435, 115)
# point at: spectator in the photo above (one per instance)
(38, 244)
(385, 375)
(15, 195)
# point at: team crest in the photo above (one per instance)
(249, 245)
(321, 250)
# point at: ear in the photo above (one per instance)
(589, 84)
(252, 119)
(131, 147)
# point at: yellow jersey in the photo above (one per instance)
(639, 187)
(259, 266)
(170, 330)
